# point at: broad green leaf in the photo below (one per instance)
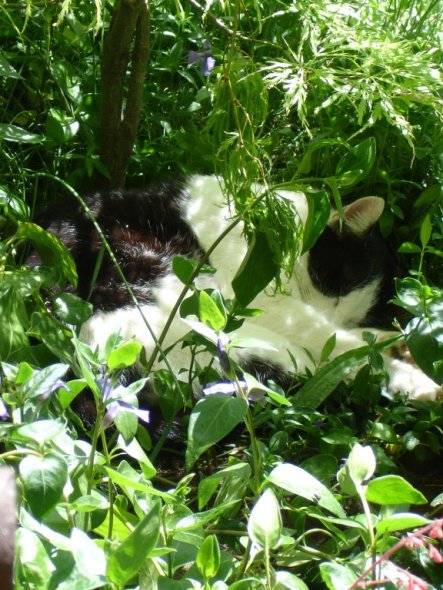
(124, 356)
(393, 489)
(126, 483)
(318, 215)
(183, 268)
(50, 248)
(14, 320)
(212, 419)
(89, 557)
(45, 381)
(265, 524)
(409, 248)
(210, 313)
(400, 522)
(425, 342)
(300, 482)
(7, 70)
(43, 479)
(41, 431)
(362, 463)
(33, 564)
(127, 559)
(326, 379)
(328, 347)
(208, 557)
(209, 484)
(337, 576)
(24, 280)
(287, 581)
(256, 271)
(53, 334)
(356, 164)
(71, 309)
(10, 132)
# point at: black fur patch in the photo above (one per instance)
(342, 262)
(144, 230)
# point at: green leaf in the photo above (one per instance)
(409, 248)
(425, 342)
(53, 334)
(44, 381)
(127, 559)
(265, 524)
(212, 418)
(298, 481)
(208, 557)
(287, 581)
(127, 484)
(124, 356)
(425, 231)
(210, 313)
(10, 132)
(7, 70)
(89, 557)
(328, 348)
(14, 320)
(256, 271)
(400, 522)
(356, 164)
(336, 576)
(43, 479)
(393, 489)
(326, 379)
(318, 215)
(71, 309)
(33, 564)
(41, 431)
(183, 268)
(51, 249)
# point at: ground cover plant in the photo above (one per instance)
(330, 484)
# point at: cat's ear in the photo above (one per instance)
(359, 216)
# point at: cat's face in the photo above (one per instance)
(343, 272)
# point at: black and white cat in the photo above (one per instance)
(340, 286)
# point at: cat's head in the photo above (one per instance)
(349, 267)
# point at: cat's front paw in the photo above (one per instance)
(409, 379)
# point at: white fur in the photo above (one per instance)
(291, 323)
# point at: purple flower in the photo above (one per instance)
(204, 58)
(4, 414)
(116, 407)
(112, 396)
